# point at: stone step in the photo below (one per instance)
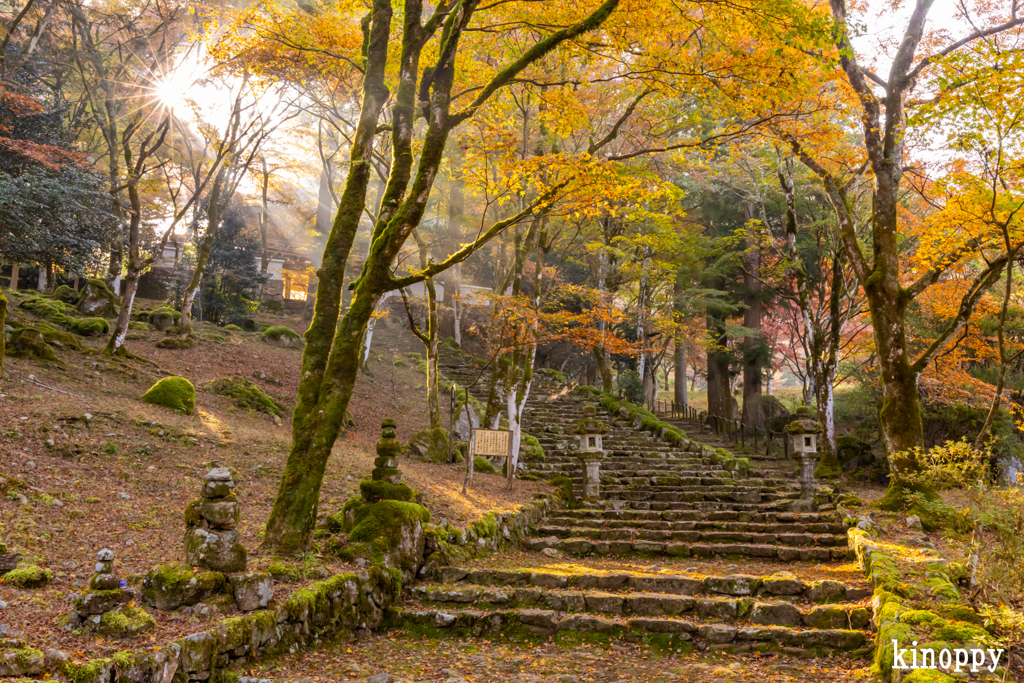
(700, 525)
(669, 632)
(578, 545)
(798, 540)
(705, 505)
(781, 585)
(830, 517)
(761, 611)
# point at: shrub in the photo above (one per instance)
(176, 393)
(631, 387)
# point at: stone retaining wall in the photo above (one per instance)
(916, 602)
(343, 606)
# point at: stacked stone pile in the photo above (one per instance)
(109, 603)
(211, 541)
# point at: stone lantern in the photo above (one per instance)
(803, 433)
(590, 431)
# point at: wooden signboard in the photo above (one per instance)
(492, 442)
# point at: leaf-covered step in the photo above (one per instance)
(586, 546)
(693, 536)
(830, 517)
(779, 584)
(552, 623)
(761, 611)
(697, 524)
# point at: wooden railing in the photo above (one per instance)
(737, 431)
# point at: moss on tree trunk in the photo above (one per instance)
(3, 320)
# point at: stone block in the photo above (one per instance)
(784, 583)
(736, 584)
(605, 603)
(252, 591)
(775, 614)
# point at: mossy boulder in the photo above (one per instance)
(375, 490)
(21, 661)
(177, 343)
(47, 309)
(232, 328)
(170, 586)
(164, 318)
(65, 294)
(176, 393)
(282, 336)
(389, 532)
(125, 622)
(96, 299)
(213, 337)
(482, 464)
(430, 445)
(61, 340)
(89, 327)
(246, 394)
(28, 342)
(27, 576)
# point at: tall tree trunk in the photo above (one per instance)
(265, 217)
(753, 345)
(997, 398)
(15, 273)
(679, 359)
(456, 213)
(3, 321)
(41, 279)
(719, 384)
(325, 390)
(332, 348)
(202, 258)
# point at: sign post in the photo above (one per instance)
(495, 443)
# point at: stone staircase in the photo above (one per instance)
(678, 552)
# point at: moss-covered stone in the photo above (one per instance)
(27, 576)
(246, 394)
(232, 328)
(47, 309)
(389, 532)
(28, 342)
(282, 336)
(126, 621)
(21, 661)
(430, 445)
(482, 464)
(89, 327)
(65, 294)
(176, 393)
(96, 299)
(375, 490)
(164, 318)
(177, 343)
(170, 586)
(213, 337)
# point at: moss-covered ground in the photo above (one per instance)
(121, 477)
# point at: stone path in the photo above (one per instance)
(734, 569)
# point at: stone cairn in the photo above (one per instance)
(211, 541)
(105, 592)
(385, 465)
